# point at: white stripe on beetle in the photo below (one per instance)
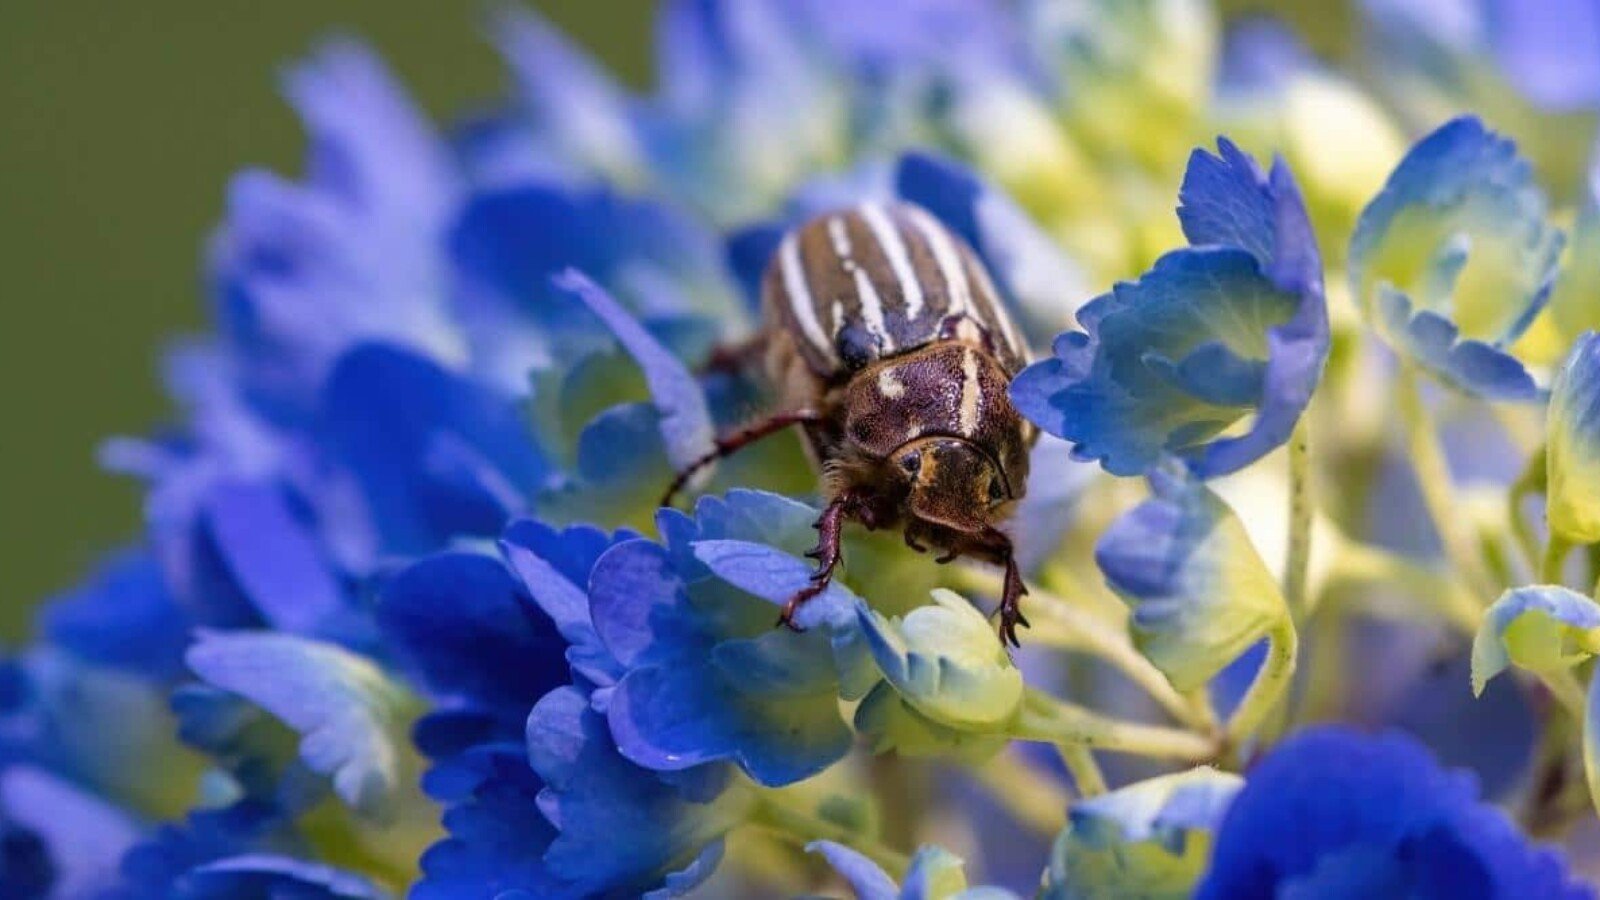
(794, 283)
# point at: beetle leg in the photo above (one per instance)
(733, 443)
(1011, 600)
(914, 544)
(830, 529)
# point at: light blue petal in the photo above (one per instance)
(864, 876)
(1200, 593)
(84, 837)
(348, 714)
(1454, 258)
(776, 576)
(573, 103)
(263, 874)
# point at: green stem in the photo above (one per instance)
(1438, 490)
(1271, 683)
(1302, 507)
(1530, 482)
(1044, 718)
(1555, 556)
(1086, 774)
(800, 827)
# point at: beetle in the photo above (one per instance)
(886, 342)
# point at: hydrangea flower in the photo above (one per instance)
(317, 675)
(1232, 326)
(1452, 261)
(707, 678)
(1333, 813)
(539, 798)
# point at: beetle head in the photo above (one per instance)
(953, 483)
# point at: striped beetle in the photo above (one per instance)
(886, 342)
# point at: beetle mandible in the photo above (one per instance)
(885, 340)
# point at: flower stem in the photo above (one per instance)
(1438, 491)
(1530, 482)
(800, 827)
(1086, 774)
(1302, 506)
(1555, 556)
(1044, 718)
(1270, 684)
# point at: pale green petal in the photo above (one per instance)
(946, 661)
(1147, 841)
(1541, 628)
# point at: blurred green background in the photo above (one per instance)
(122, 123)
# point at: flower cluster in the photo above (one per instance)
(408, 614)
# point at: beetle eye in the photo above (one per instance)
(997, 491)
(911, 462)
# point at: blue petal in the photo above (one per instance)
(640, 607)
(510, 242)
(1330, 806)
(749, 250)
(688, 713)
(435, 455)
(298, 268)
(1200, 593)
(123, 616)
(273, 557)
(554, 567)
(466, 627)
(685, 420)
(369, 143)
(340, 704)
(776, 576)
(1572, 460)
(621, 828)
(664, 617)
(497, 840)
